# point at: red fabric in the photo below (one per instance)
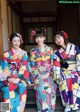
(12, 87)
(26, 74)
(69, 83)
(64, 55)
(24, 62)
(56, 63)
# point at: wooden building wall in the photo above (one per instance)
(1, 40)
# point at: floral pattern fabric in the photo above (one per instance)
(42, 75)
(16, 65)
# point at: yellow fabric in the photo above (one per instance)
(78, 56)
(71, 106)
(63, 86)
(24, 98)
(75, 86)
(12, 94)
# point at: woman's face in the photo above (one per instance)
(16, 42)
(59, 40)
(40, 40)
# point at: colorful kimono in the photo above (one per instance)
(2, 76)
(42, 67)
(70, 73)
(16, 65)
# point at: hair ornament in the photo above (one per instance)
(33, 32)
(8, 40)
(64, 34)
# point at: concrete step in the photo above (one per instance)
(35, 110)
(30, 110)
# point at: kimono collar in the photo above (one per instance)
(16, 50)
(66, 49)
(65, 53)
(41, 49)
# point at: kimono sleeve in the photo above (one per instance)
(56, 67)
(5, 65)
(78, 59)
(1, 75)
(4, 69)
(25, 69)
(33, 66)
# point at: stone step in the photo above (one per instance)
(30, 110)
(35, 110)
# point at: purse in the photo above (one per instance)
(64, 64)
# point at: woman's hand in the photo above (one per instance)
(46, 75)
(36, 81)
(13, 80)
(10, 80)
(59, 80)
(42, 69)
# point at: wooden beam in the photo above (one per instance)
(15, 7)
(39, 14)
(79, 24)
(29, 0)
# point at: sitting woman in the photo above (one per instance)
(16, 67)
(69, 86)
(42, 72)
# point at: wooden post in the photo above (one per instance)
(1, 37)
(79, 25)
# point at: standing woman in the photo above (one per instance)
(69, 55)
(16, 66)
(42, 64)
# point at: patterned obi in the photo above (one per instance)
(71, 65)
(14, 66)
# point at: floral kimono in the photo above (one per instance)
(70, 72)
(42, 67)
(15, 65)
(2, 76)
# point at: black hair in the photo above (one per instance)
(66, 41)
(38, 33)
(13, 35)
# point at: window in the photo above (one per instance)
(48, 23)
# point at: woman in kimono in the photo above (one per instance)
(42, 73)
(16, 67)
(69, 86)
